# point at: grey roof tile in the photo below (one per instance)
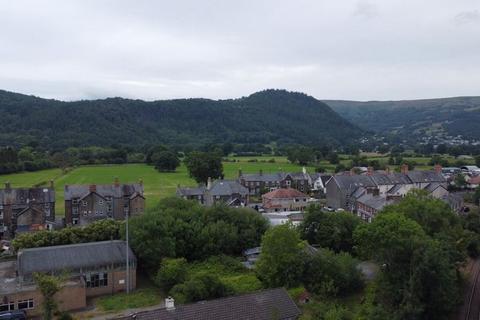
(104, 190)
(262, 305)
(72, 257)
(25, 195)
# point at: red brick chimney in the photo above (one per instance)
(93, 188)
(116, 182)
(438, 168)
(404, 168)
(369, 171)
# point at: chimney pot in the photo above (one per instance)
(93, 188)
(170, 303)
(369, 171)
(404, 169)
(209, 183)
(438, 168)
(116, 182)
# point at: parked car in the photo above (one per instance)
(13, 315)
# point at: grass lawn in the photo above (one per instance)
(143, 297)
(157, 185)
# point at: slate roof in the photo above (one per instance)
(227, 188)
(283, 193)
(262, 305)
(433, 186)
(104, 190)
(395, 189)
(269, 177)
(325, 178)
(72, 257)
(375, 202)
(298, 176)
(195, 191)
(358, 192)
(418, 176)
(350, 182)
(26, 195)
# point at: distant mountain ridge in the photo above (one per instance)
(263, 117)
(414, 119)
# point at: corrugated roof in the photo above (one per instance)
(262, 305)
(71, 257)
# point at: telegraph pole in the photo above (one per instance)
(127, 250)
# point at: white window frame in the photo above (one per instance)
(29, 302)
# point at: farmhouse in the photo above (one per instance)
(92, 269)
(87, 203)
(228, 192)
(26, 209)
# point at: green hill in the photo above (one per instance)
(263, 117)
(414, 119)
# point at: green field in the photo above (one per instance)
(157, 185)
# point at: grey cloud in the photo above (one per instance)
(367, 49)
(467, 17)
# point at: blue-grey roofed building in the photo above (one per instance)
(229, 192)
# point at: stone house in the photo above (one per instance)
(258, 183)
(229, 192)
(284, 200)
(91, 269)
(87, 203)
(26, 209)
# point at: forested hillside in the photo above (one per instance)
(415, 118)
(263, 117)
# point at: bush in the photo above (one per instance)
(200, 287)
(171, 272)
(328, 274)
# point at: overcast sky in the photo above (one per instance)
(348, 49)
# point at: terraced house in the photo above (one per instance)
(26, 210)
(87, 203)
(367, 194)
(260, 183)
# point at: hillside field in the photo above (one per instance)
(157, 185)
